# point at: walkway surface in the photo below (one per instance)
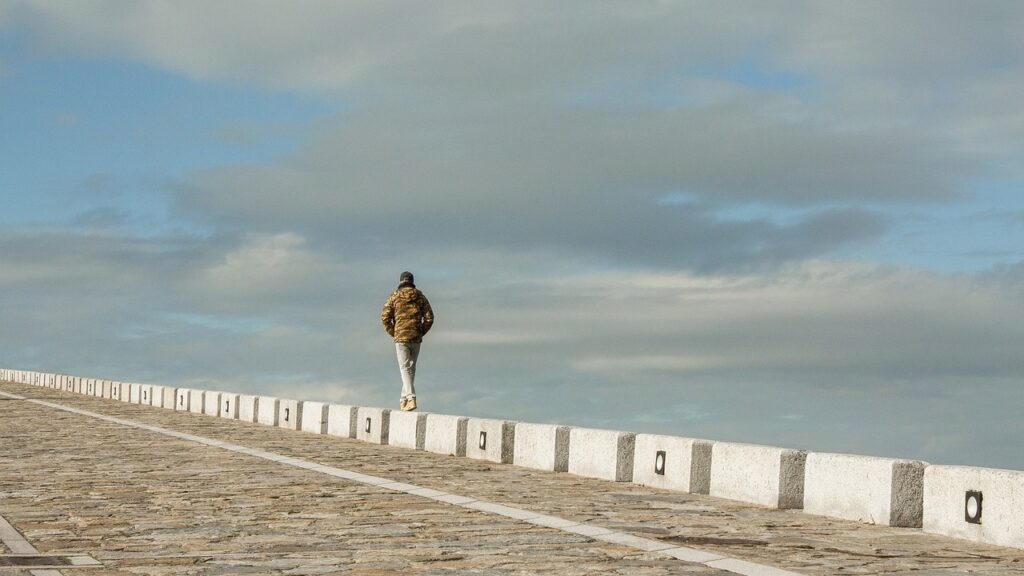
(143, 490)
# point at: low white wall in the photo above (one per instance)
(904, 493)
(684, 464)
(865, 489)
(445, 434)
(372, 424)
(764, 475)
(342, 420)
(407, 430)
(289, 414)
(1002, 504)
(267, 410)
(491, 440)
(542, 446)
(604, 454)
(314, 417)
(211, 403)
(248, 406)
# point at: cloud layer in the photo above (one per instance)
(630, 215)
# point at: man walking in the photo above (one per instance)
(407, 317)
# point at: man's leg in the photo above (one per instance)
(408, 352)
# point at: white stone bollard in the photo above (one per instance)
(211, 403)
(491, 440)
(979, 504)
(290, 414)
(229, 405)
(672, 463)
(168, 397)
(407, 429)
(182, 398)
(864, 489)
(446, 434)
(248, 407)
(764, 475)
(314, 417)
(267, 410)
(153, 395)
(542, 446)
(604, 454)
(196, 401)
(372, 424)
(342, 420)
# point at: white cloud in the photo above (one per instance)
(262, 264)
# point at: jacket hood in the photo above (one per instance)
(407, 293)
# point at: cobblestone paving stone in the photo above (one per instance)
(147, 504)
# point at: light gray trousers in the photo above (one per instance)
(408, 352)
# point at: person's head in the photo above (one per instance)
(406, 279)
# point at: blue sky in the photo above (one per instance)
(793, 223)
(107, 133)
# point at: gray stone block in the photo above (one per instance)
(864, 489)
(542, 446)
(267, 411)
(211, 403)
(373, 425)
(1001, 520)
(248, 407)
(491, 440)
(342, 420)
(229, 405)
(407, 430)
(314, 417)
(604, 454)
(672, 463)
(290, 414)
(764, 475)
(196, 401)
(446, 434)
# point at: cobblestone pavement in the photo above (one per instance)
(144, 503)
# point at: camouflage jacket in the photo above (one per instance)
(407, 315)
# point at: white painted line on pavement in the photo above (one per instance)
(553, 522)
(17, 544)
(13, 539)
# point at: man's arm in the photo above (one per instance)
(387, 316)
(428, 316)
